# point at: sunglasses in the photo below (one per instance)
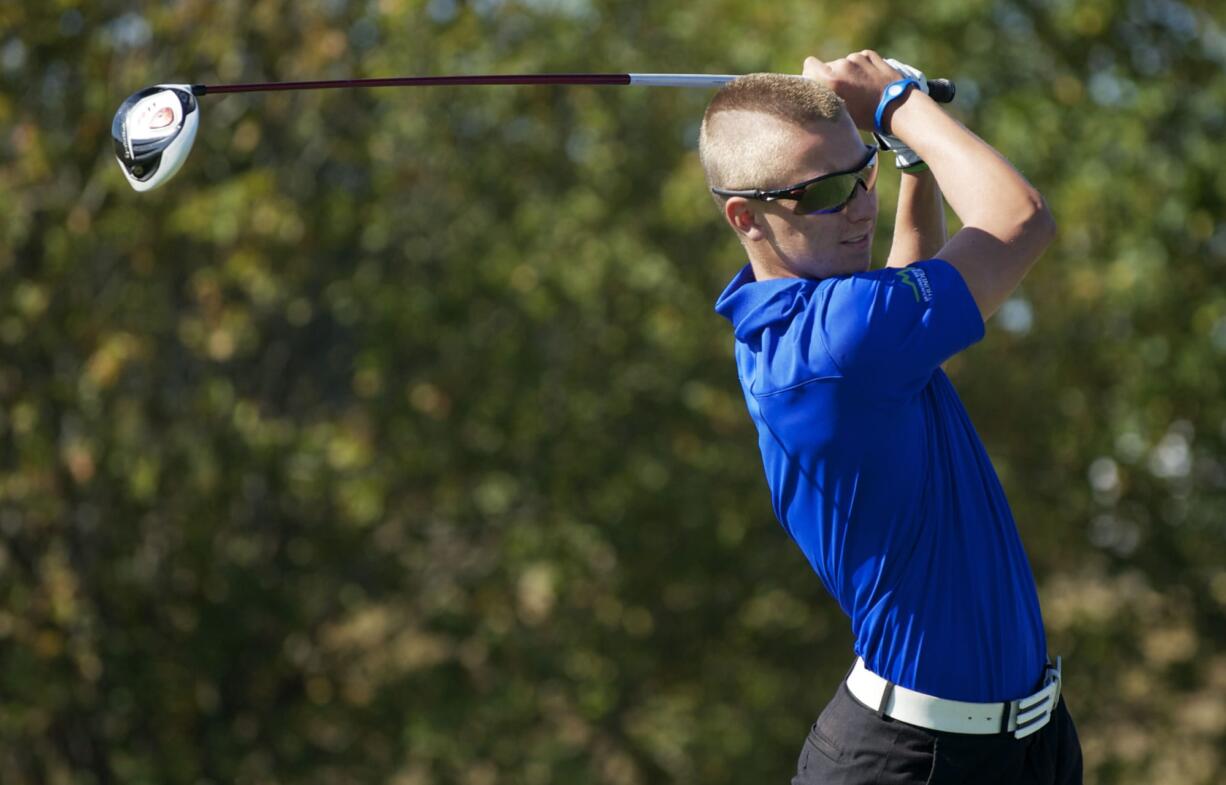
(828, 193)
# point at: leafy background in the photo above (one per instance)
(395, 440)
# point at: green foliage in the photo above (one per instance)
(395, 439)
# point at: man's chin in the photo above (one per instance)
(858, 261)
(849, 260)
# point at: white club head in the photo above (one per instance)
(153, 132)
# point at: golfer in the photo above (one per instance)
(873, 465)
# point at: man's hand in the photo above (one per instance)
(858, 79)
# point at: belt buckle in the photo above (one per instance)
(1039, 707)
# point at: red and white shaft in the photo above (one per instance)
(649, 80)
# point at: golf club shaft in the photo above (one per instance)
(941, 90)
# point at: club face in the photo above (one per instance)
(153, 131)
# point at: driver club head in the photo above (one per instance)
(153, 131)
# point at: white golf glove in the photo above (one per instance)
(904, 157)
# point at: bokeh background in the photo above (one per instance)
(395, 440)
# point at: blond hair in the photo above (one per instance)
(739, 145)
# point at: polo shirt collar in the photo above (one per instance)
(752, 305)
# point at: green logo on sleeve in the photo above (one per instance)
(909, 280)
(915, 279)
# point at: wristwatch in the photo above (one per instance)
(894, 91)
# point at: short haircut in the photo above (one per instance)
(739, 145)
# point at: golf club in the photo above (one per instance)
(154, 128)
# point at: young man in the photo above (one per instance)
(873, 465)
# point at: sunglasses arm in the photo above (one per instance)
(760, 195)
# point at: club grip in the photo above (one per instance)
(941, 90)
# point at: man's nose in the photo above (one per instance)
(861, 206)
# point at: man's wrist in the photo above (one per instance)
(892, 95)
(900, 115)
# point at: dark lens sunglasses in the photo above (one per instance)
(828, 193)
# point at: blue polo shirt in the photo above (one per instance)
(876, 472)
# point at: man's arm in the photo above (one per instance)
(1006, 225)
(919, 226)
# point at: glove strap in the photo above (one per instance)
(905, 158)
(892, 92)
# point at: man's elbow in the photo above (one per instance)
(1035, 228)
(1040, 225)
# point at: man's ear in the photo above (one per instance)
(741, 216)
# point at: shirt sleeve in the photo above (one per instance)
(890, 329)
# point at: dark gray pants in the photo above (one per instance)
(851, 745)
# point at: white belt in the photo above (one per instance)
(1021, 717)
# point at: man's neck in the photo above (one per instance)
(768, 269)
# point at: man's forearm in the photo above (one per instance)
(919, 226)
(981, 186)
(1005, 222)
